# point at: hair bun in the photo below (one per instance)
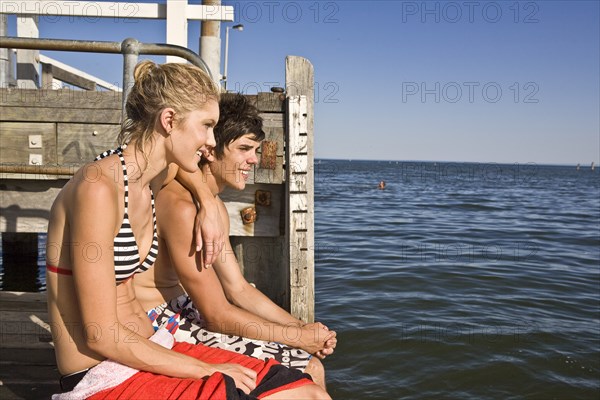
(143, 70)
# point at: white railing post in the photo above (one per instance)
(28, 61)
(177, 26)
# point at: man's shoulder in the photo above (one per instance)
(175, 204)
(175, 193)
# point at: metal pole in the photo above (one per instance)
(103, 47)
(210, 43)
(5, 64)
(130, 50)
(38, 169)
(226, 58)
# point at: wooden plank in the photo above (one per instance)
(81, 143)
(99, 82)
(34, 301)
(301, 305)
(300, 241)
(22, 324)
(28, 367)
(47, 76)
(116, 10)
(24, 330)
(273, 120)
(299, 223)
(177, 27)
(38, 114)
(304, 122)
(300, 175)
(297, 183)
(270, 176)
(270, 102)
(299, 203)
(64, 98)
(25, 204)
(69, 78)
(300, 207)
(300, 146)
(262, 261)
(28, 60)
(34, 382)
(268, 217)
(14, 142)
(274, 134)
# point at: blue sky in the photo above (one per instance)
(482, 81)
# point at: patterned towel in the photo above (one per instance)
(109, 373)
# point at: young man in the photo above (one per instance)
(220, 305)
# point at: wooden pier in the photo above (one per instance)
(27, 355)
(47, 134)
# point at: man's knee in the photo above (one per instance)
(315, 368)
(315, 392)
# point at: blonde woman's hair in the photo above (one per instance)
(183, 87)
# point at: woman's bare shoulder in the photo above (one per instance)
(94, 186)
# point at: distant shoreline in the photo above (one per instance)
(583, 166)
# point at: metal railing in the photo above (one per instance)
(130, 48)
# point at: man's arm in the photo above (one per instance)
(247, 297)
(204, 287)
(208, 231)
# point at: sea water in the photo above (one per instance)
(459, 280)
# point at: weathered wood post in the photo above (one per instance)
(300, 188)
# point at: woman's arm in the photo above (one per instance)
(208, 231)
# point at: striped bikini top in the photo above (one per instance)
(126, 252)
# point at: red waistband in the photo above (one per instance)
(62, 271)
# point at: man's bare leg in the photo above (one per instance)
(307, 392)
(316, 370)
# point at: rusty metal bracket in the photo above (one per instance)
(248, 215)
(268, 159)
(262, 198)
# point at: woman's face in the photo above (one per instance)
(238, 158)
(194, 136)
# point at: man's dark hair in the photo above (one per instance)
(237, 117)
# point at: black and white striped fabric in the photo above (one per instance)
(182, 314)
(126, 252)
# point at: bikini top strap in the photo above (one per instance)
(119, 151)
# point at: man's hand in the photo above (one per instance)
(208, 234)
(317, 339)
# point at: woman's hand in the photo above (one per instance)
(244, 378)
(208, 233)
(208, 228)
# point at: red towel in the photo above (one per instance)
(271, 378)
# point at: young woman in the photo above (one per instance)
(102, 231)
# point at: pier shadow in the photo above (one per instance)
(20, 262)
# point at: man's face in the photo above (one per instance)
(238, 158)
